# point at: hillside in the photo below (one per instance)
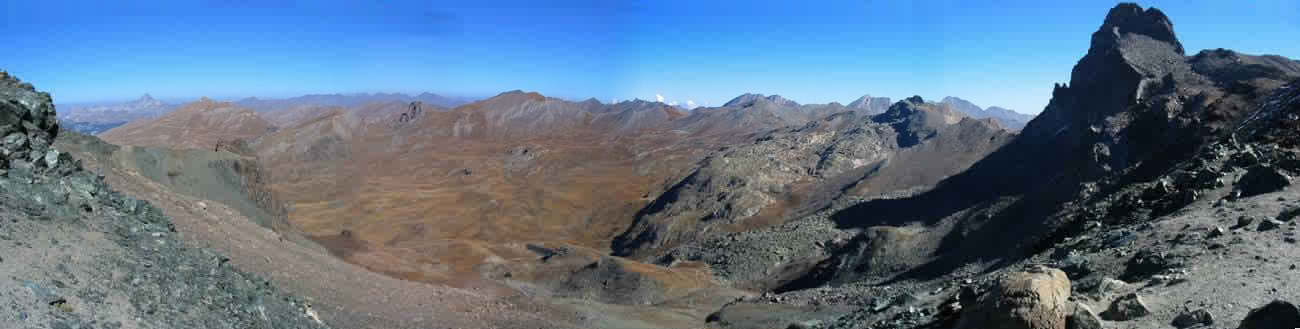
(197, 125)
(794, 172)
(80, 254)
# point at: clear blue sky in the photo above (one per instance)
(1005, 53)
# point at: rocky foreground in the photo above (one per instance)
(80, 255)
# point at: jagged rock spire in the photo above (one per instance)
(1129, 18)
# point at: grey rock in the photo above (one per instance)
(51, 158)
(810, 324)
(1277, 314)
(1193, 318)
(1127, 307)
(1082, 318)
(1269, 224)
(1147, 263)
(1216, 232)
(1260, 179)
(1244, 221)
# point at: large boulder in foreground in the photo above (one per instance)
(1035, 299)
(1276, 315)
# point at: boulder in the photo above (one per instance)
(1082, 318)
(1269, 224)
(1260, 179)
(1193, 318)
(1147, 263)
(1276, 315)
(1127, 307)
(1036, 299)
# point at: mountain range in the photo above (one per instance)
(346, 100)
(1154, 190)
(96, 118)
(1007, 118)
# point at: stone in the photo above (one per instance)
(1216, 232)
(810, 324)
(1147, 263)
(52, 158)
(1127, 307)
(1035, 299)
(1082, 318)
(1193, 318)
(1260, 179)
(1269, 224)
(1277, 314)
(1111, 286)
(1244, 221)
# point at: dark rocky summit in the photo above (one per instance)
(80, 255)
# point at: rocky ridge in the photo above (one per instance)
(82, 255)
(795, 172)
(1152, 180)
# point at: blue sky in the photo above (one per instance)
(1005, 53)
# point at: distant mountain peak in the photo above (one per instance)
(743, 100)
(872, 105)
(1005, 118)
(748, 99)
(781, 100)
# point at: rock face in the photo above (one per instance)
(1276, 315)
(82, 255)
(1037, 299)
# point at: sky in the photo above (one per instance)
(1004, 53)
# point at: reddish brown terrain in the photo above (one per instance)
(196, 125)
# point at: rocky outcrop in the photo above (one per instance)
(1037, 299)
(83, 255)
(27, 124)
(771, 180)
